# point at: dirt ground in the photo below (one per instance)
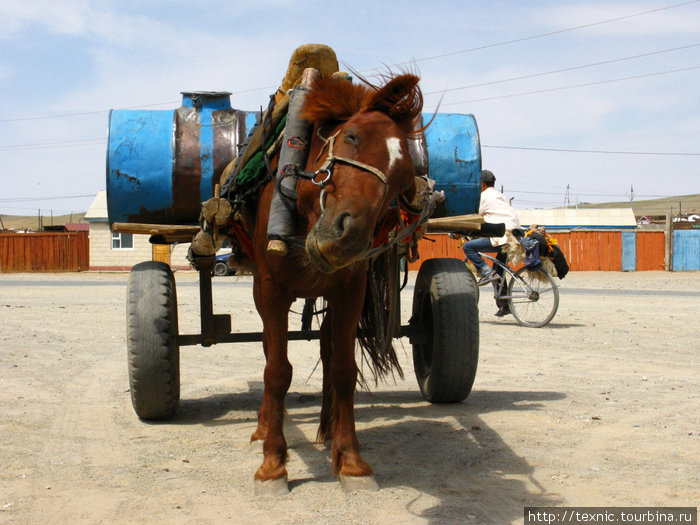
(601, 407)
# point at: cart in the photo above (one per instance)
(163, 164)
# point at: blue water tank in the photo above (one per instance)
(163, 164)
(454, 157)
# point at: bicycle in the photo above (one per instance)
(532, 295)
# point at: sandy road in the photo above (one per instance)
(602, 407)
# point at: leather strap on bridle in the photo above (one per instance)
(331, 158)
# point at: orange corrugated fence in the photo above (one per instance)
(584, 250)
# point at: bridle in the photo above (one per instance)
(391, 221)
(332, 159)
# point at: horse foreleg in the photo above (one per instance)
(278, 377)
(354, 472)
(261, 430)
(327, 412)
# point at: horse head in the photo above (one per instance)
(361, 156)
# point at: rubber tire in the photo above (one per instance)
(446, 303)
(151, 338)
(514, 307)
(220, 269)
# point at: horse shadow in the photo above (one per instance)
(461, 469)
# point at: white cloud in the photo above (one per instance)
(682, 20)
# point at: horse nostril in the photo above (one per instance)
(341, 224)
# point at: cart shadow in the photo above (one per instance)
(221, 409)
(461, 469)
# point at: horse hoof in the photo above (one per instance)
(353, 483)
(273, 488)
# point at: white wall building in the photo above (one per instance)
(121, 251)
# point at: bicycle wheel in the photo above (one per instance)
(537, 306)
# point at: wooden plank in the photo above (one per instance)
(457, 223)
(154, 229)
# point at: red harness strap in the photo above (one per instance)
(396, 217)
(245, 241)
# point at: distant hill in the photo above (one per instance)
(684, 203)
(22, 222)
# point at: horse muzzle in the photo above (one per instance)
(337, 241)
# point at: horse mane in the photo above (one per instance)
(337, 100)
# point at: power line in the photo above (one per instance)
(534, 75)
(97, 142)
(607, 152)
(33, 199)
(425, 59)
(562, 193)
(587, 84)
(542, 35)
(41, 145)
(81, 113)
(63, 210)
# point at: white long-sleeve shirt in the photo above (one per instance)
(495, 208)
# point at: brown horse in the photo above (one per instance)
(360, 139)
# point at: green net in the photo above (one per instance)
(255, 167)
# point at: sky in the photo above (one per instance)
(576, 101)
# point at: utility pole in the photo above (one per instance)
(631, 195)
(567, 200)
(668, 242)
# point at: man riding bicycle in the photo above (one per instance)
(495, 208)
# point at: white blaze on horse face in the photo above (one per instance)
(394, 146)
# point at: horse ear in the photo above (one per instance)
(401, 99)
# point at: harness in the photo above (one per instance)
(398, 225)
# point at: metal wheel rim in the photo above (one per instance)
(538, 313)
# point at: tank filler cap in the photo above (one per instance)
(207, 99)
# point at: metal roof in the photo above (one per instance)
(571, 218)
(97, 212)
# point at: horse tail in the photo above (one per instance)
(380, 319)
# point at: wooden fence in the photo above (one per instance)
(44, 252)
(584, 250)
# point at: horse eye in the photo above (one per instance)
(351, 138)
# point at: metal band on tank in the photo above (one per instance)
(187, 172)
